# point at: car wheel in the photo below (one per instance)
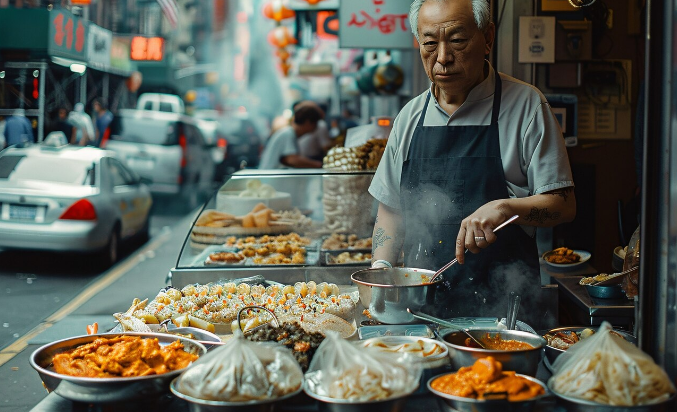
(111, 253)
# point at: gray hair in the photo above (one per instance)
(480, 9)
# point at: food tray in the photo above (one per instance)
(200, 231)
(327, 259)
(200, 260)
(348, 249)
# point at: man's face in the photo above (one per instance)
(452, 47)
(62, 114)
(96, 106)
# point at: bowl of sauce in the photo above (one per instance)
(517, 351)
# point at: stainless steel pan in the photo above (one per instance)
(387, 292)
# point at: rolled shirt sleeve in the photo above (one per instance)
(546, 157)
(385, 187)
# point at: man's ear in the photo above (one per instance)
(489, 37)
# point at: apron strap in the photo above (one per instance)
(497, 98)
(425, 108)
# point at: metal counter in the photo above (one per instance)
(576, 307)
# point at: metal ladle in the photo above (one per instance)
(442, 322)
(445, 267)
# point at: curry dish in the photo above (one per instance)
(486, 380)
(496, 343)
(122, 356)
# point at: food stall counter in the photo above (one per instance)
(577, 307)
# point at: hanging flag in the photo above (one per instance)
(171, 11)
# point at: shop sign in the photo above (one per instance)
(67, 34)
(313, 4)
(147, 48)
(375, 24)
(99, 42)
(119, 54)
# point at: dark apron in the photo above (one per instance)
(450, 172)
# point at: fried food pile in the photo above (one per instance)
(260, 216)
(486, 376)
(563, 256)
(348, 257)
(338, 241)
(122, 356)
(365, 157)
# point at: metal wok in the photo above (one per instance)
(387, 292)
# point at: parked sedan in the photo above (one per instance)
(166, 148)
(66, 198)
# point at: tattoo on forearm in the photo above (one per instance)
(376, 219)
(379, 238)
(563, 193)
(541, 215)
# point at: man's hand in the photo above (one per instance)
(543, 210)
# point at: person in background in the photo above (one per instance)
(102, 119)
(464, 156)
(3, 141)
(315, 144)
(63, 125)
(84, 129)
(282, 149)
(18, 128)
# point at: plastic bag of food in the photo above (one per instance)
(343, 370)
(241, 371)
(607, 369)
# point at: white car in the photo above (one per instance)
(69, 198)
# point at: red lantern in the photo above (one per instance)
(283, 54)
(281, 37)
(285, 67)
(277, 11)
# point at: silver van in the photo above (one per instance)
(166, 148)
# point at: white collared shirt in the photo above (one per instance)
(534, 157)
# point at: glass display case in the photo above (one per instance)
(285, 225)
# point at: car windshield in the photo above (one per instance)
(47, 169)
(144, 130)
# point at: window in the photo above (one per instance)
(64, 170)
(120, 176)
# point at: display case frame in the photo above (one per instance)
(308, 188)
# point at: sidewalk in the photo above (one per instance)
(141, 275)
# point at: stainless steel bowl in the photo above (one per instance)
(552, 353)
(105, 390)
(453, 403)
(582, 405)
(521, 361)
(387, 292)
(432, 365)
(327, 404)
(201, 405)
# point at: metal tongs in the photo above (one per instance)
(445, 267)
(613, 278)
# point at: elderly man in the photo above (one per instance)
(475, 149)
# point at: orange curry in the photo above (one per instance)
(486, 379)
(497, 343)
(122, 356)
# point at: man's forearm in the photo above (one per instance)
(387, 237)
(544, 210)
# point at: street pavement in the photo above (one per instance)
(141, 274)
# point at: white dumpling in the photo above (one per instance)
(247, 193)
(266, 191)
(253, 184)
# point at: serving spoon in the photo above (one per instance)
(445, 267)
(442, 322)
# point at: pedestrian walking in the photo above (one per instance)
(18, 128)
(103, 117)
(83, 124)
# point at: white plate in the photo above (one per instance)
(585, 256)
